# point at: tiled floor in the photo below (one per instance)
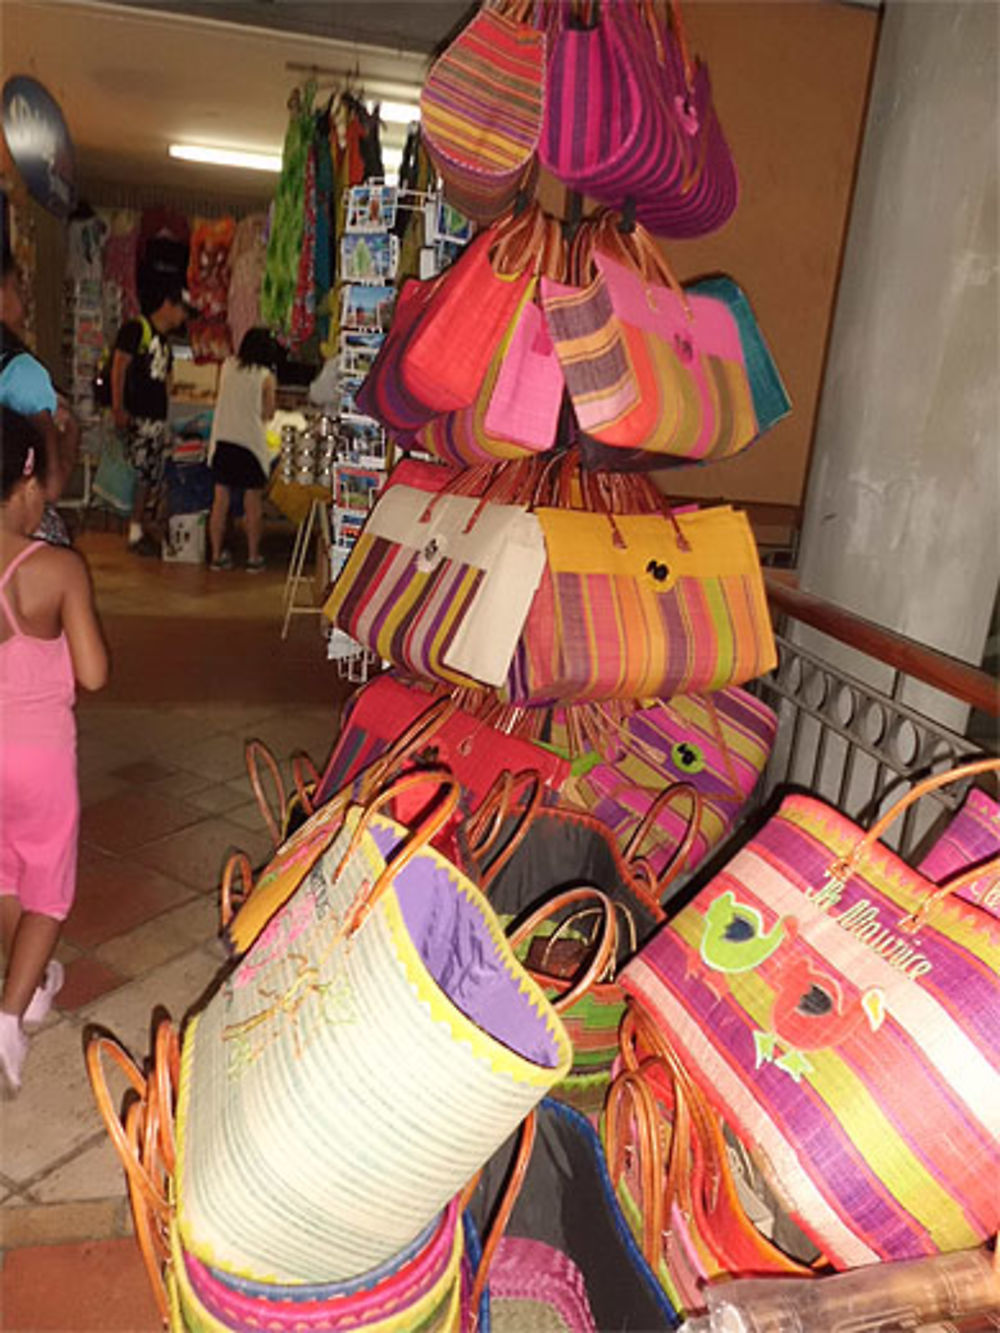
(198, 668)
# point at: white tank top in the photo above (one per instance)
(238, 409)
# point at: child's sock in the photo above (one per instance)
(41, 1001)
(13, 1049)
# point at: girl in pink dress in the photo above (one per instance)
(49, 639)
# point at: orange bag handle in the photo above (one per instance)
(425, 832)
(604, 955)
(509, 1197)
(230, 900)
(99, 1045)
(148, 1222)
(701, 1181)
(485, 824)
(666, 798)
(306, 777)
(629, 1085)
(844, 868)
(255, 753)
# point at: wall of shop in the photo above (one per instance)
(790, 83)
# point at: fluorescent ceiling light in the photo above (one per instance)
(226, 157)
(396, 113)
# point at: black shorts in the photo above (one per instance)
(234, 466)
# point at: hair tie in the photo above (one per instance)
(29, 462)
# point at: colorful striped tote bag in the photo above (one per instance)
(372, 1049)
(668, 1157)
(606, 131)
(771, 402)
(441, 585)
(717, 743)
(841, 1012)
(481, 110)
(649, 366)
(643, 606)
(971, 837)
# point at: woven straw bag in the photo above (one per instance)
(841, 1013)
(373, 1047)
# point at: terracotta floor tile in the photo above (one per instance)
(133, 818)
(89, 1288)
(197, 855)
(87, 979)
(143, 771)
(116, 894)
(218, 799)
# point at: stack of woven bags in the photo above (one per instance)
(474, 1060)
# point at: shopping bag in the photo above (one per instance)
(971, 837)
(367, 1055)
(771, 402)
(390, 709)
(440, 585)
(419, 1285)
(383, 395)
(842, 1013)
(481, 110)
(682, 387)
(643, 606)
(718, 743)
(528, 391)
(115, 477)
(670, 1164)
(467, 316)
(567, 1203)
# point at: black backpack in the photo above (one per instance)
(101, 383)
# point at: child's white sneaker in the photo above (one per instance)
(41, 1002)
(13, 1049)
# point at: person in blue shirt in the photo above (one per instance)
(26, 387)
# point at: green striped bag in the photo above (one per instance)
(371, 1050)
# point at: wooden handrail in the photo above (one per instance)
(948, 674)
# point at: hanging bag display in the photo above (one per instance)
(481, 109)
(367, 1055)
(440, 585)
(643, 606)
(842, 1013)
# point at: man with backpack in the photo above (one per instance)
(140, 371)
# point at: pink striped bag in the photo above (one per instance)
(842, 1014)
(972, 837)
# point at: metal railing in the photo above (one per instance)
(857, 744)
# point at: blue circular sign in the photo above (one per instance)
(39, 143)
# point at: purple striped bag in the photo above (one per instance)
(605, 133)
(842, 1014)
(971, 837)
(718, 743)
(481, 111)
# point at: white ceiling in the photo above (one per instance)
(131, 81)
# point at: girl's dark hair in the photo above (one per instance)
(17, 436)
(258, 348)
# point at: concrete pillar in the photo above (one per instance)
(902, 516)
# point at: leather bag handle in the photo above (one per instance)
(256, 753)
(842, 869)
(231, 899)
(676, 791)
(604, 955)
